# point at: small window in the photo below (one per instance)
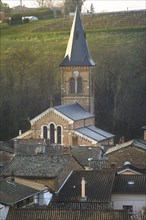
(59, 135)
(128, 208)
(45, 132)
(52, 134)
(72, 86)
(79, 85)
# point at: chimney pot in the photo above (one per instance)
(83, 190)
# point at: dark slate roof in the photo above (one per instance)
(130, 167)
(130, 184)
(12, 192)
(144, 127)
(85, 153)
(74, 111)
(94, 133)
(66, 214)
(36, 166)
(139, 144)
(98, 186)
(77, 52)
(5, 147)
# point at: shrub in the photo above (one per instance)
(16, 19)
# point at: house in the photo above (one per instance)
(128, 169)
(102, 189)
(86, 189)
(133, 151)
(129, 193)
(73, 122)
(6, 154)
(83, 154)
(66, 214)
(50, 170)
(16, 195)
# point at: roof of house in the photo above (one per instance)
(94, 133)
(129, 184)
(85, 153)
(130, 168)
(12, 192)
(98, 186)
(77, 52)
(133, 143)
(139, 144)
(36, 166)
(5, 147)
(31, 184)
(66, 214)
(74, 111)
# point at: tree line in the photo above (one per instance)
(29, 83)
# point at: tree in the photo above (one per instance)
(16, 19)
(44, 3)
(92, 9)
(70, 5)
(4, 7)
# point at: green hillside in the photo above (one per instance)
(30, 73)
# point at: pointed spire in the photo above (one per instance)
(77, 52)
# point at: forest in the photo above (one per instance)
(30, 72)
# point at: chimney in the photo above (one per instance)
(144, 132)
(122, 140)
(20, 132)
(83, 190)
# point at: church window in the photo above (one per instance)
(52, 133)
(59, 135)
(45, 132)
(72, 86)
(79, 85)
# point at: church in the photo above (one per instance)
(73, 122)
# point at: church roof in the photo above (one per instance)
(94, 133)
(74, 111)
(77, 52)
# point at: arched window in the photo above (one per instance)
(52, 133)
(45, 132)
(79, 85)
(58, 135)
(72, 86)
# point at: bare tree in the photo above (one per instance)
(44, 3)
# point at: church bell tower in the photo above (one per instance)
(76, 69)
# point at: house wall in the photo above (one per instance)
(43, 198)
(137, 201)
(135, 156)
(3, 211)
(55, 182)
